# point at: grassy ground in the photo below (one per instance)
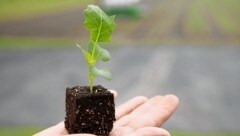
(226, 14)
(23, 43)
(195, 21)
(31, 131)
(12, 9)
(18, 131)
(35, 43)
(214, 17)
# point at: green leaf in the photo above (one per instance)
(104, 55)
(101, 72)
(100, 52)
(90, 60)
(100, 25)
(90, 49)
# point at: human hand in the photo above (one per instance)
(137, 117)
(142, 117)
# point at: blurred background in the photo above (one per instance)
(189, 48)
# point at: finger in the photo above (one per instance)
(150, 131)
(115, 94)
(158, 114)
(163, 109)
(129, 106)
(148, 105)
(138, 112)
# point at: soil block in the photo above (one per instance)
(89, 112)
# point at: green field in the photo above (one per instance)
(18, 9)
(227, 14)
(188, 22)
(195, 21)
(31, 131)
(26, 43)
(35, 43)
(223, 14)
(18, 131)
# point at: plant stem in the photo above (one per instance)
(91, 79)
(90, 75)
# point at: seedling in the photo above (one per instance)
(101, 27)
(91, 109)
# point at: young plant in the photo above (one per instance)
(101, 27)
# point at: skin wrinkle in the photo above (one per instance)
(154, 131)
(154, 113)
(129, 106)
(165, 107)
(148, 104)
(121, 131)
(143, 109)
(123, 121)
(172, 103)
(139, 122)
(150, 132)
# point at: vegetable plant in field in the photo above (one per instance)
(101, 27)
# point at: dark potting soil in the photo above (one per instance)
(89, 112)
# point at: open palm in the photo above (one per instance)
(140, 116)
(137, 117)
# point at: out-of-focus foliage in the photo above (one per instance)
(12, 9)
(185, 21)
(192, 22)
